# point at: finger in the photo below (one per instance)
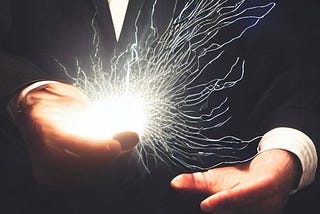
(233, 198)
(219, 201)
(227, 203)
(127, 140)
(121, 142)
(199, 182)
(62, 89)
(86, 149)
(231, 211)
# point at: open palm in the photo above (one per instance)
(58, 154)
(260, 186)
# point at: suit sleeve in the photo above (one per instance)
(291, 98)
(15, 71)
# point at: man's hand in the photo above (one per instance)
(59, 156)
(260, 186)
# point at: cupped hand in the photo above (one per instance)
(260, 186)
(46, 117)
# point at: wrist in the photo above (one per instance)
(295, 169)
(14, 106)
(296, 143)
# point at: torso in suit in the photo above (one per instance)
(39, 32)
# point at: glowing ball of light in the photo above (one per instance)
(116, 114)
(107, 117)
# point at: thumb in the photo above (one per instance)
(197, 182)
(127, 140)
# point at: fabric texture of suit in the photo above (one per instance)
(279, 89)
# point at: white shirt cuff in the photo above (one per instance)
(11, 105)
(299, 144)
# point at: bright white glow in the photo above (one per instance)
(103, 119)
(167, 71)
(117, 114)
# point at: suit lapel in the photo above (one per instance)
(162, 16)
(105, 25)
(107, 31)
(128, 28)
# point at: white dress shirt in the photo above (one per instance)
(118, 10)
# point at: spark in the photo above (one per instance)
(160, 74)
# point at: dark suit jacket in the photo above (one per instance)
(279, 89)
